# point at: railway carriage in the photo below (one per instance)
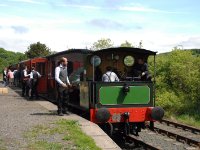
(40, 64)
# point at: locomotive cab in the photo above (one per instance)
(126, 104)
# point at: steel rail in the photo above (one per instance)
(140, 142)
(179, 125)
(178, 137)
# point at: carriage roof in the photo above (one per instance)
(127, 49)
(82, 51)
(115, 49)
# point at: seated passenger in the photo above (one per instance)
(140, 69)
(109, 76)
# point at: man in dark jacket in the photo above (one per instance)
(5, 79)
(62, 81)
(140, 69)
(34, 77)
(24, 79)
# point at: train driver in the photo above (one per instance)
(140, 69)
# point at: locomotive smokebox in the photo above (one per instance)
(102, 115)
(157, 113)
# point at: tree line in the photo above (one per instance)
(9, 57)
(178, 81)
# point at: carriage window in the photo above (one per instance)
(33, 64)
(95, 60)
(40, 67)
(129, 61)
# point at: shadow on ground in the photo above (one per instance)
(50, 113)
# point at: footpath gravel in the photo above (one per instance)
(18, 115)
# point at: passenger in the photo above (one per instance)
(15, 73)
(10, 77)
(109, 76)
(140, 69)
(24, 79)
(63, 85)
(34, 77)
(5, 77)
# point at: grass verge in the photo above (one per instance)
(1, 77)
(44, 145)
(63, 134)
(2, 146)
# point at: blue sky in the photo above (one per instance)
(63, 24)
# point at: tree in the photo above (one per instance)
(102, 44)
(8, 58)
(37, 50)
(126, 44)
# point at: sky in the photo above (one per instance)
(63, 24)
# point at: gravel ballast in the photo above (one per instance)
(19, 115)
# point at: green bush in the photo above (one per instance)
(178, 81)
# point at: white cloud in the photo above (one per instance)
(28, 1)
(136, 7)
(190, 42)
(79, 6)
(60, 38)
(36, 22)
(3, 5)
(140, 9)
(51, 32)
(152, 39)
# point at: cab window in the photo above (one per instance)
(128, 61)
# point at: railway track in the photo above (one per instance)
(178, 137)
(179, 125)
(179, 132)
(166, 135)
(140, 143)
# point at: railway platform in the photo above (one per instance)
(18, 115)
